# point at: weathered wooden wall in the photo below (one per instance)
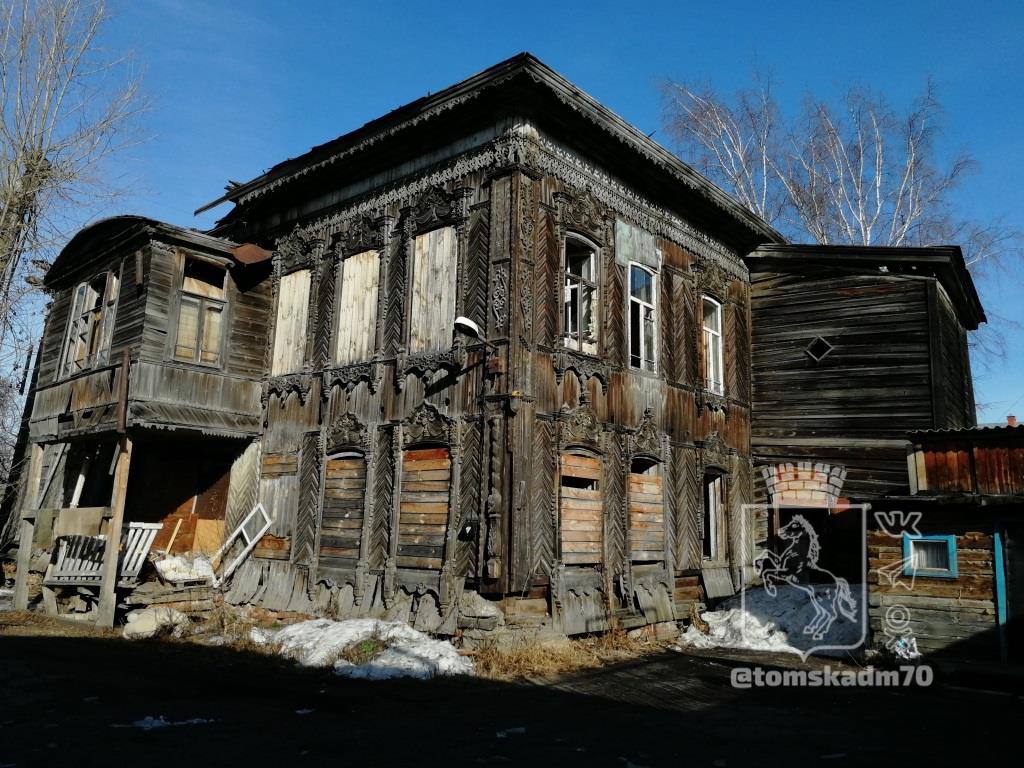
(898, 364)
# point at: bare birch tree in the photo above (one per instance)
(68, 105)
(855, 172)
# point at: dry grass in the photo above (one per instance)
(364, 651)
(531, 659)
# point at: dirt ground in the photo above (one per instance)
(68, 697)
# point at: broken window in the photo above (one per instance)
(434, 269)
(646, 511)
(641, 318)
(91, 328)
(201, 304)
(714, 366)
(290, 328)
(579, 300)
(581, 520)
(357, 308)
(714, 516)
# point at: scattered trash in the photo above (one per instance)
(405, 652)
(905, 648)
(179, 569)
(151, 622)
(6, 599)
(150, 723)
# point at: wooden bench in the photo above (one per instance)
(77, 560)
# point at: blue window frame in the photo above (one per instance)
(931, 556)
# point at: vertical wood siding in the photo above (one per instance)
(433, 291)
(357, 308)
(292, 318)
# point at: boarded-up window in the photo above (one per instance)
(423, 512)
(646, 512)
(342, 522)
(93, 309)
(433, 291)
(580, 508)
(279, 493)
(357, 308)
(201, 303)
(290, 329)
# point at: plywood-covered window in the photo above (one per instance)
(342, 520)
(580, 510)
(646, 511)
(290, 328)
(642, 327)
(202, 300)
(714, 516)
(91, 326)
(714, 364)
(357, 308)
(579, 297)
(423, 509)
(432, 310)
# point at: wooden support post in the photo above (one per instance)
(27, 523)
(108, 587)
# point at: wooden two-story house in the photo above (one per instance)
(588, 445)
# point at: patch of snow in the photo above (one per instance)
(150, 723)
(143, 623)
(6, 599)
(409, 653)
(517, 731)
(757, 621)
(179, 568)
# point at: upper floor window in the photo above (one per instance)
(432, 310)
(357, 308)
(91, 325)
(579, 299)
(292, 318)
(714, 366)
(641, 318)
(201, 302)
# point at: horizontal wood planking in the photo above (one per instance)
(646, 518)
(341, 526)
(423, 508)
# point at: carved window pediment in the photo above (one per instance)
(427, 425)
(715, 453)
(362, 233)
(647, 439)
(295, 251)
(346, 432)
(437, 208)
(710, 279)
(581, 213)
(579, 426)
(299, 383)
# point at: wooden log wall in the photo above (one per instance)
(953, 616)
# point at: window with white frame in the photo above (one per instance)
(91, 326)
(641, 318)
(579, 300)
(714, 366)
(202, 299)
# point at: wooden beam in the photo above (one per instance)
(108, 595)
(27, 523)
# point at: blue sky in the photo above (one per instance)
(240, 86)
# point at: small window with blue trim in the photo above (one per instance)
(931, 556)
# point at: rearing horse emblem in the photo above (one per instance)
(797, 566)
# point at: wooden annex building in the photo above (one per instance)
(581, 448)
